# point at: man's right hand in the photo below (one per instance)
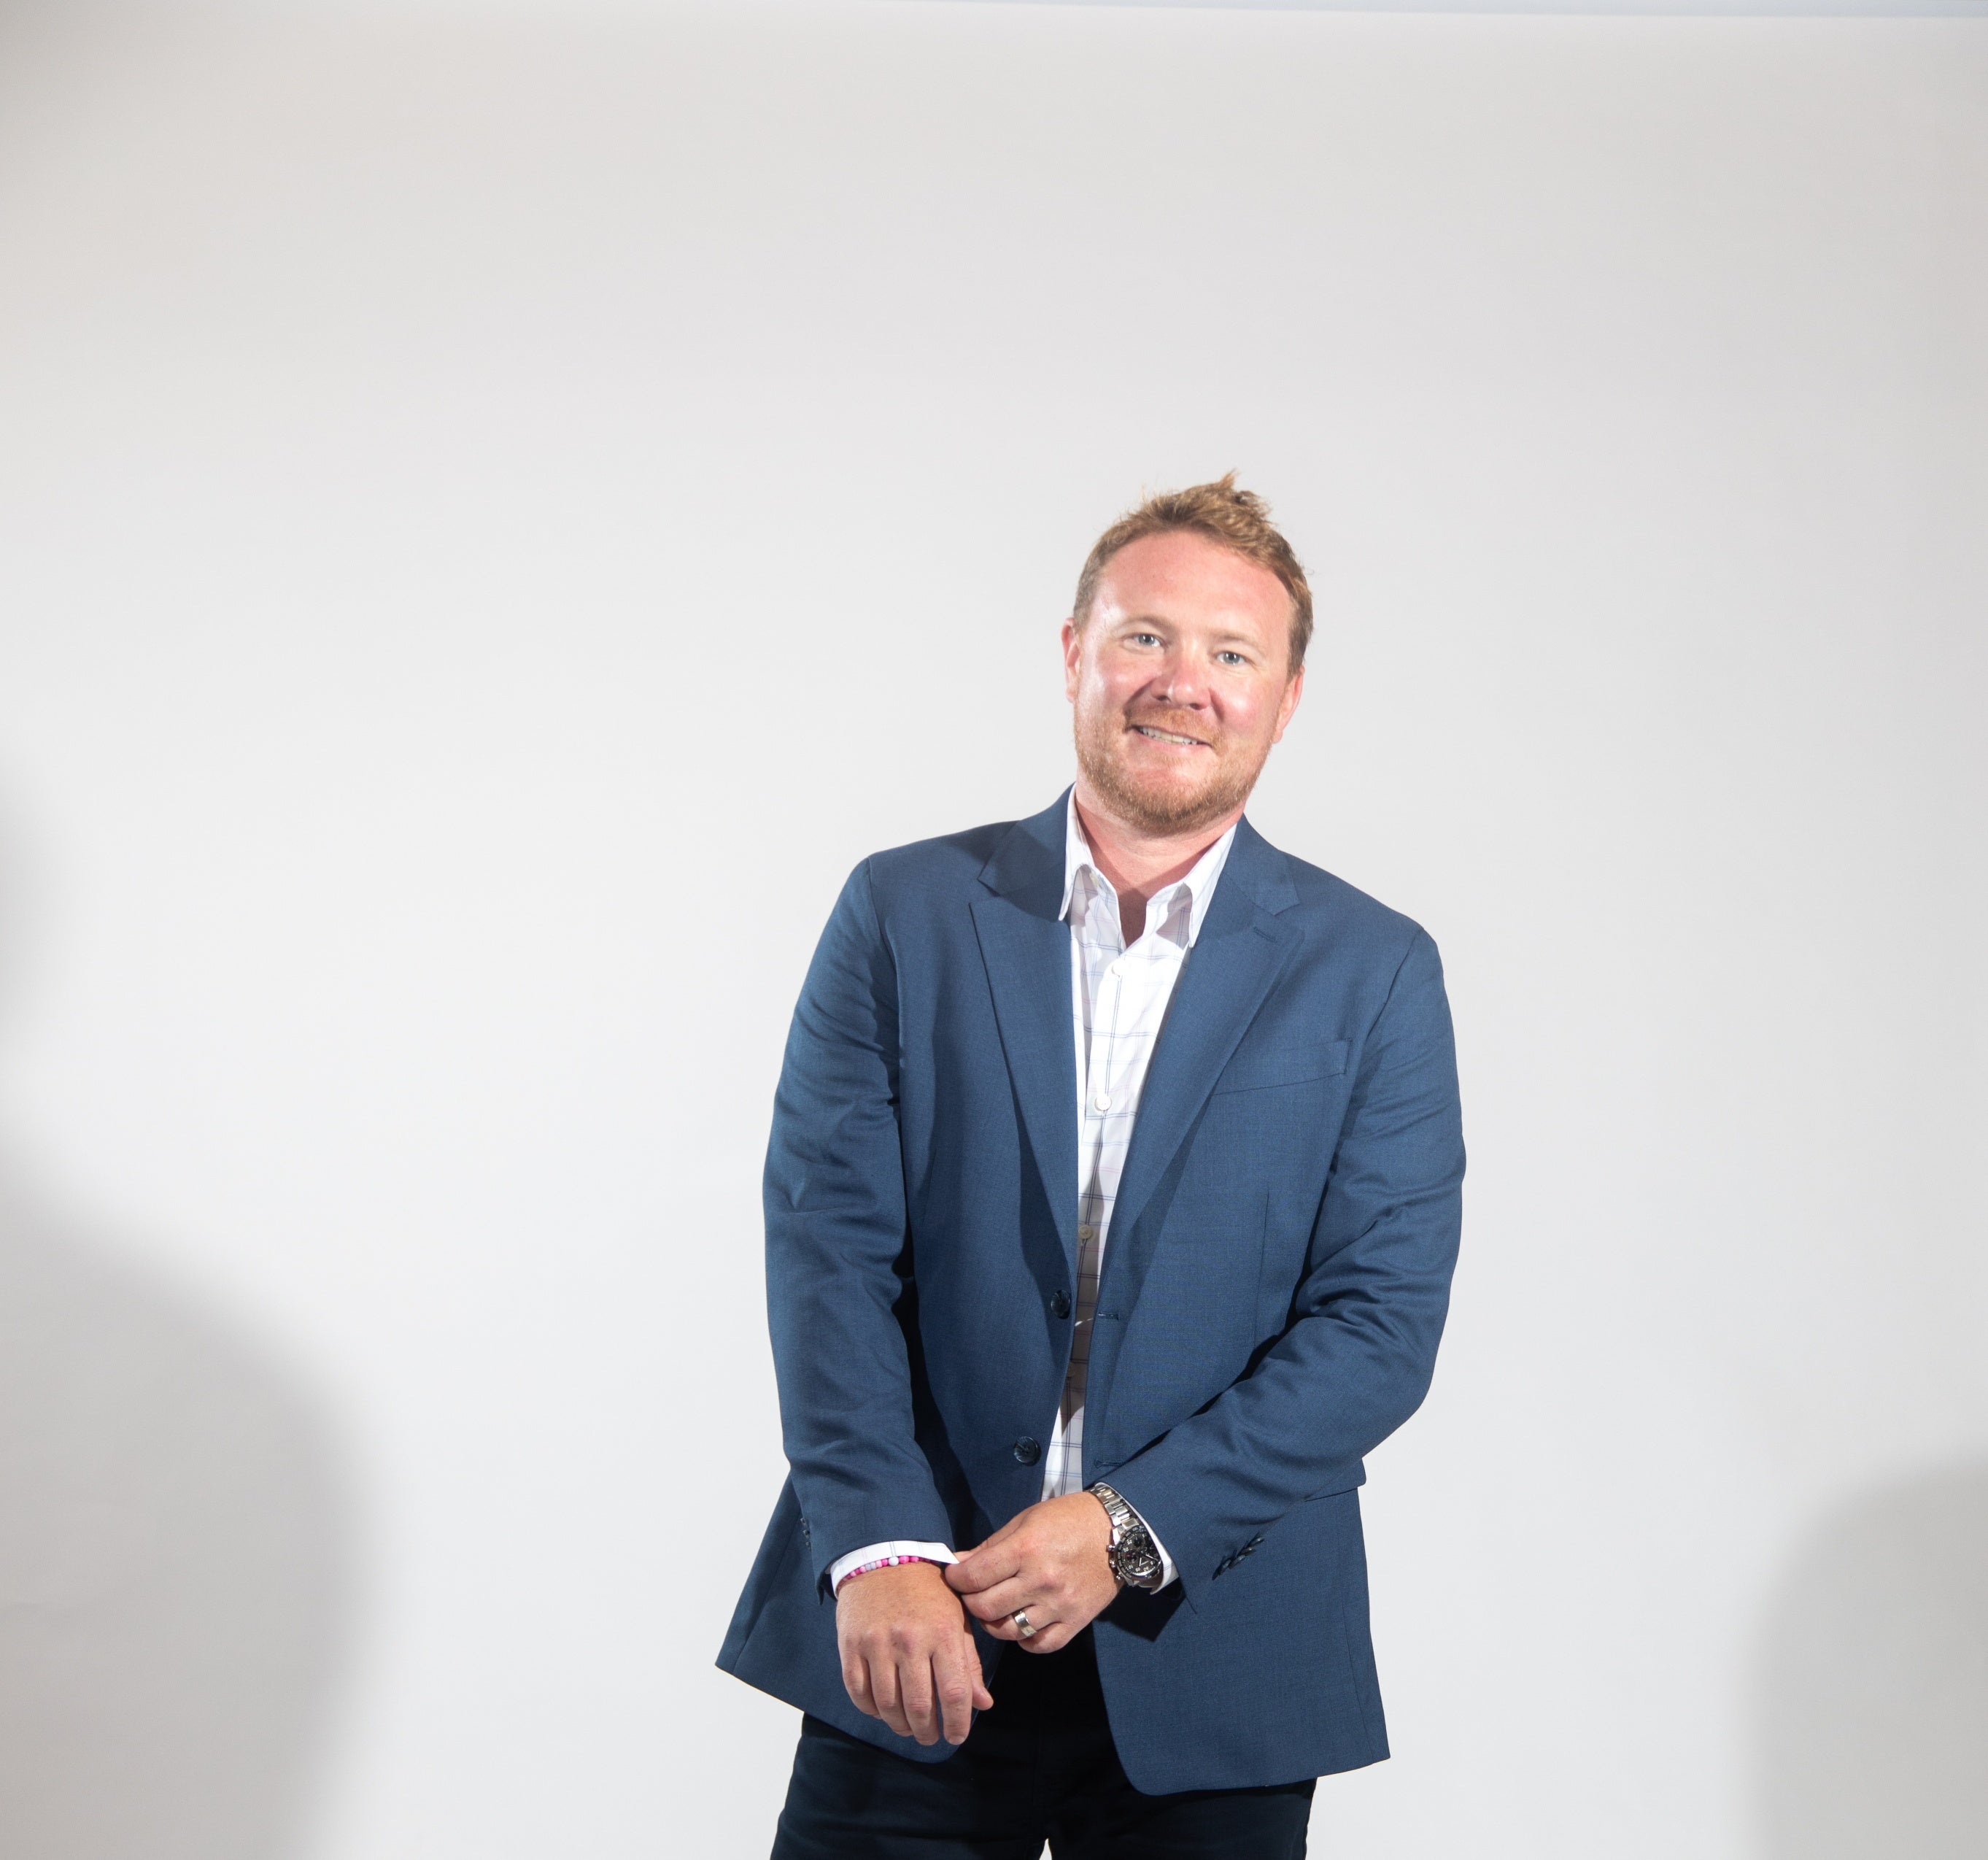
(907, 1656)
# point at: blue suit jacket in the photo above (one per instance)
(1276, 1282)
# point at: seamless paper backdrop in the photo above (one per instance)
(498, 518)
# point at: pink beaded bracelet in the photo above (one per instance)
(864, 1569)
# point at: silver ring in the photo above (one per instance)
(1021, 1621)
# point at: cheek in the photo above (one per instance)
(1249, 715)
(1101, 689)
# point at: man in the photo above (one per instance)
(1111, 1203)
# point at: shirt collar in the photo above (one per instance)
(1199, 884)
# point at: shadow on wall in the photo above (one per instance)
(174, 1564)
(1873, 1700)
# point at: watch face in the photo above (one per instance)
(1137, 1561)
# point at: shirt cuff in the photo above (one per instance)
(1167, 1572)
(876, 1553)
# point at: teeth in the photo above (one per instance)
(1166, 736)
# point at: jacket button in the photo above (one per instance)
(1028, 1450)
(1059, 1304)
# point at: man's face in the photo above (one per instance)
(1178, 680)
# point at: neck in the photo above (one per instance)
(1138, 861)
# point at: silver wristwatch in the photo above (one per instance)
(1135, 1556)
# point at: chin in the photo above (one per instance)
(1173, 807)
(1162, 796)
(1173, 797)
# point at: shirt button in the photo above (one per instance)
(1102, 1100)
(1086, 1231)
(1028, 1449)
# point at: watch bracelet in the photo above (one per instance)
(1126, 1521)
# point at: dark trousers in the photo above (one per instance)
(1039, 1767)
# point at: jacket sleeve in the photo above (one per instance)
(1356, 1361)
(837, 1256)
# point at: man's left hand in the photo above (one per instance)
(1048, 1563)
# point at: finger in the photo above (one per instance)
(988, 1565)
(855, 1678)
(915, 1691)
(1000, 1601)
(956, 1669)
(975, 1561)
(1057, 1634)
(1040, 1622)
(884, 1689)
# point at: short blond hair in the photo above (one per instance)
(1238, 520)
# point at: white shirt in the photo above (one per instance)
(1119, 997)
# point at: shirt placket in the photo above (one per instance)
(1104, 992)
(1110, 1086)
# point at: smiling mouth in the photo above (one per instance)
(1185, 742)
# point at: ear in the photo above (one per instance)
(1073, 657)
(1287, 705)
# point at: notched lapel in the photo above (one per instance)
(1025, 945)
(1228, 975)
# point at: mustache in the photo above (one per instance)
(1175, 722)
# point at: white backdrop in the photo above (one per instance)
(499, 516)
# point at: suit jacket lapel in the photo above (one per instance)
(1025, 944)
(1236, 960)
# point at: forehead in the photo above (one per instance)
(1188, 579)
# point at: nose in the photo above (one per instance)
(1180, 683)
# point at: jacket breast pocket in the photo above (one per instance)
(1295, 1063)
